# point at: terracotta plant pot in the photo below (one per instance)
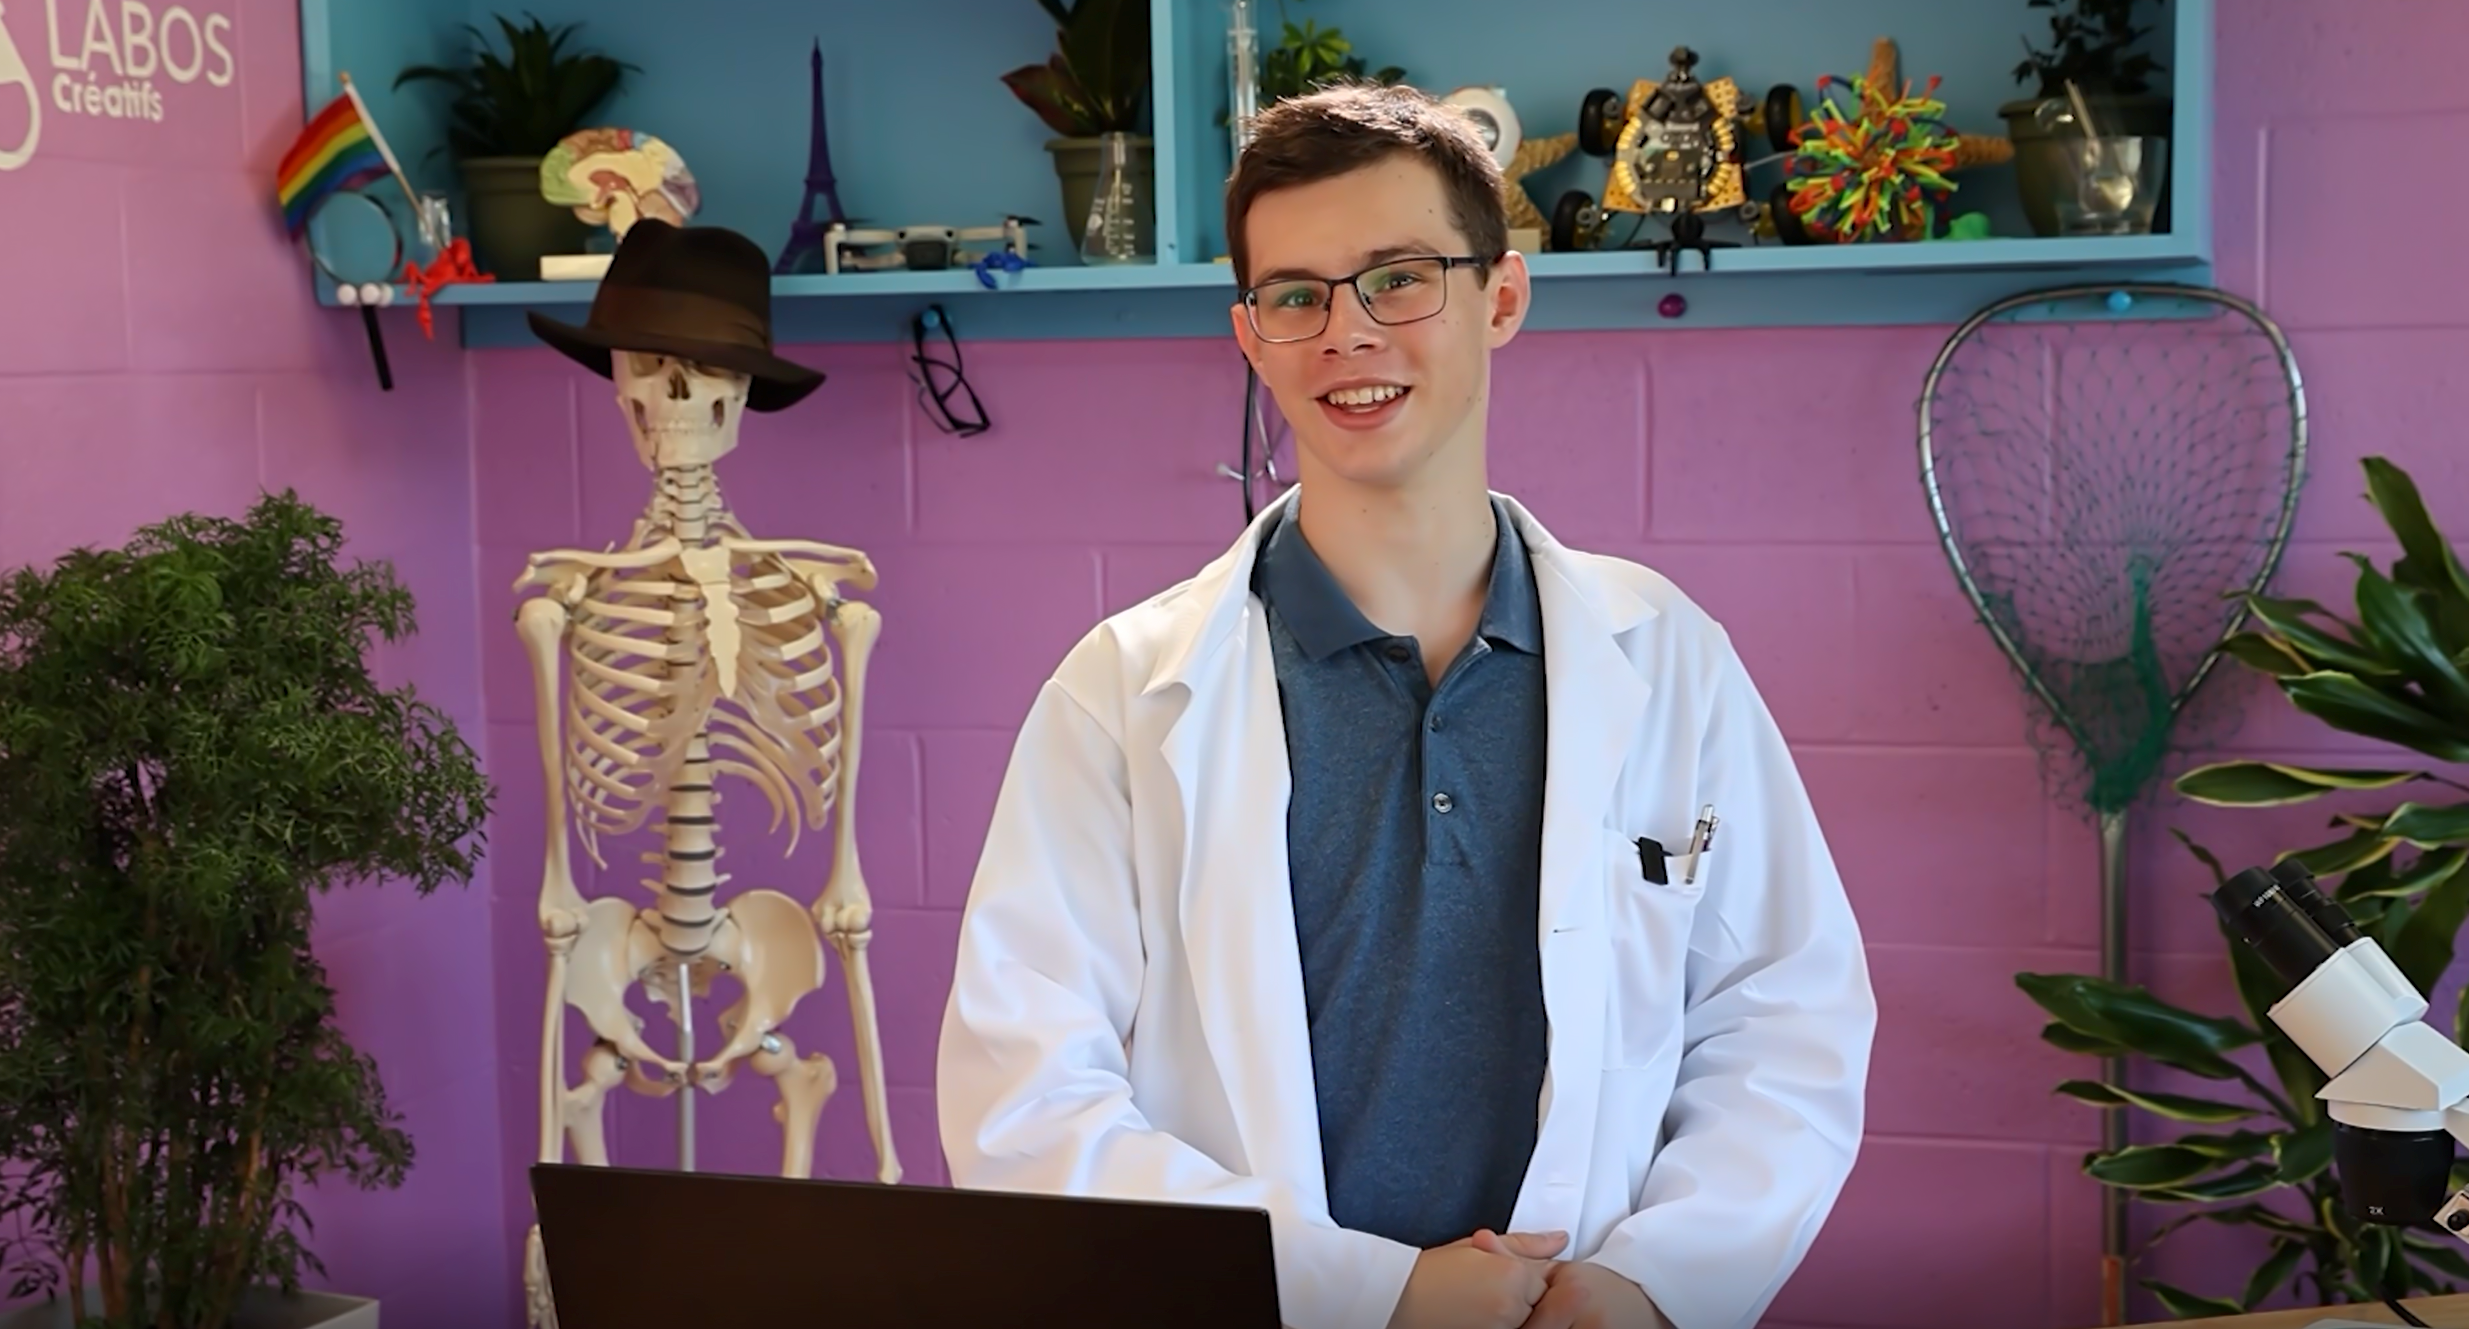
(512, 226)
(260, 1308)
(1078, 163)
(2041, 173)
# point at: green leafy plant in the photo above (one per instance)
(2398, 672)
(191, 748)
(1307, 56)
(521, 103)
(2090, 43)
(1097, 80)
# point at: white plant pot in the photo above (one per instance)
(260, 1308)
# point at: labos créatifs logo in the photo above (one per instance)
(108, 62)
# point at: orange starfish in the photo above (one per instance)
(1885, 74)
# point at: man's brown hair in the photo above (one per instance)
(1347, 126)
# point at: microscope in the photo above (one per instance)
(2399, 1092)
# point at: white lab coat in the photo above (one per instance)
(1127, 1019)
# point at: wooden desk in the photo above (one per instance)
(2438, 1312)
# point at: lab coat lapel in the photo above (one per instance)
(1228, 754)
(1594, 700)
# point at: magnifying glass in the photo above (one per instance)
(358, 250)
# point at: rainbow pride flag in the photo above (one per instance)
(335, 151)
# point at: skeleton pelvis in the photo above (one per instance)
(764, 939)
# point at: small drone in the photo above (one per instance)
(1675, 150)
(922, 248)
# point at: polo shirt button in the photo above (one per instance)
(1442, 802)
(1398, 653)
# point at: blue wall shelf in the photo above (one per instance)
(923, 131)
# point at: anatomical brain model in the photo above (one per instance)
(614, 177)
(690, 654)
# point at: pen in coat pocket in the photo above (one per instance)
(1701, 839)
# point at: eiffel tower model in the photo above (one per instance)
(804, 252)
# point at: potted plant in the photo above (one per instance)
(508, 112)
(2092, 45)
(2260, 1153)
(192, 749)
(1095, 84)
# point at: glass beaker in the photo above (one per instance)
(1118, 229)
(436, 220)
(2112, 185)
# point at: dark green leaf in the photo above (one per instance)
(1106, 48)
(2427, 827)
(2154, 1028)
(2237, 1146)
(2395, 495)
(2146, 1166)
(2289, 620)
(2070, 1040)
(2261, 652)
(2404, 632)
(2348, 854)
(2236, 1185)
(2273, 1272)
(2302, 1155)
(2266, 784)
(2423, 950)
(2176, 1107)
(2187, 1306)
(2349, 705)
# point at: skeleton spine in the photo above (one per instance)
(688, 878)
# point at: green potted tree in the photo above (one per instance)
(1095, 84)
(508, 112)
(191, 750)
(2259, 1154)
(2092, 44)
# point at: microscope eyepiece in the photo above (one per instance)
(2264, 911)
(2327, 913)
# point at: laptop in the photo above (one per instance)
(645, 1249)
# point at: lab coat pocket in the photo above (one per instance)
(1650, 923)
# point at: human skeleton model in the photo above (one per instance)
(693, 652)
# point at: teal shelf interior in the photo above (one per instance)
(923, 131)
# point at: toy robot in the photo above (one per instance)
(1676, 152)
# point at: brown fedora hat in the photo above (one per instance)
(701, 293)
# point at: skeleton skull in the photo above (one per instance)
(681, 413)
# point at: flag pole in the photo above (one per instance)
(377, 136)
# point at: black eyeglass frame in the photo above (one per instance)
(937, 401)
(1250, 295)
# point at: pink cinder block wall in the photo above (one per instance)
(159, 356)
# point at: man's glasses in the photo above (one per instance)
(1405, 290)
(939, 381)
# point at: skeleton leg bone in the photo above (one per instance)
(586, 1104)
(805, 1086)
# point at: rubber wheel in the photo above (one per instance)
(1783, 114)
(1568, 218)
(1599, 122)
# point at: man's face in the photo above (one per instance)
(1377, 404)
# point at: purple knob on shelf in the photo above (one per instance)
(1673, 305)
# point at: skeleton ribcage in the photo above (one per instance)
(645, 677)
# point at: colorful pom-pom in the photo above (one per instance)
(1875, 176)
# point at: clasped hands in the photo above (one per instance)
(1513, 1281)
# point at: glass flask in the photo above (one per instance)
(1118, 224)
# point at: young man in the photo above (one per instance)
(1364, 877)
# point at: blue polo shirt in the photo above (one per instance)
(1415, 839)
